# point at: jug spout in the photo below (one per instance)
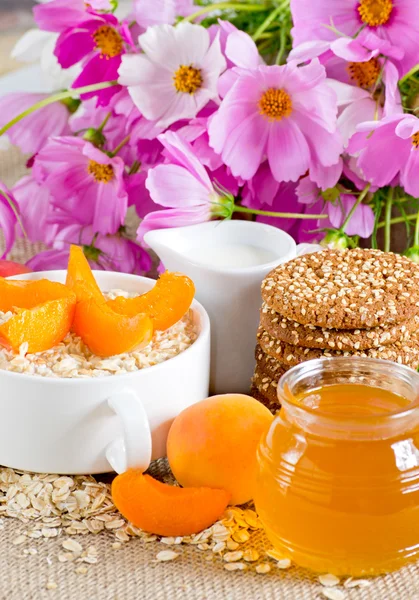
(166, 244)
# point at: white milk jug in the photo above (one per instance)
(227, 261)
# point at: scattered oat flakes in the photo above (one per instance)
(333, 594)
(72, 546)
(283, 563)
(329, 580)
(116, 545)
(232, 545)
(81, 570)
(263, 568)
(241, 536)
(20, 539)
(166, 555)
(233, 556)
(353, 583)
(219, 547)
(51, 585)
(235, 566)
(250, 555)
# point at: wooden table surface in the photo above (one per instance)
(15, 19)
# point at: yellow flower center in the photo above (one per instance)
(187, 79)
(365, 74)
(108, 41)
(275, 104)
(415, 140)
(101, 173)
(375, 12)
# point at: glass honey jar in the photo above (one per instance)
(338, 487)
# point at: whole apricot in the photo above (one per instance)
(213, 444)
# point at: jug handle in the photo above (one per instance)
(307, 248)
(132, 450)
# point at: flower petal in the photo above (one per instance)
(185, 44)
(173, 217)
(242, 50)
(288, 152)
(356, 113)
(175, 186)
(409, 176)
(351, 50)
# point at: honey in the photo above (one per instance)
(338, 488)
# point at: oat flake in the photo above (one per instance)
(263, 568)
(329, 580)
(166, 555)
(333, 594)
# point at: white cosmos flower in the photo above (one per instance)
(38, 46)
(176, 76)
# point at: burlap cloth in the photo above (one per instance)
(132, 572)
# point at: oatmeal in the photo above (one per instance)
(72, 359)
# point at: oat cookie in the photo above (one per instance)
(345, 289)
(272, 405)
(310, 336)
(266, 386)
(268, 364)
(405, 353)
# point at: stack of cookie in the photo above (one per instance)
(336, 303)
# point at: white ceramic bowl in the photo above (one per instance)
(94, 425)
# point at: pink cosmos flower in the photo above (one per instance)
(184, 187)
(365, 82)
(138, 194)
(336, 206)
(395, 21)
(59, 15)
(387, 149)
(31, 133)
(8, 210)
(159, 12)
(84, 181)
(176, 76)
(263, 192)
(34, 202)
(285, 113)
(196, 133)
(104, 252)
(99, 41)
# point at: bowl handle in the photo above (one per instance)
(132, 450)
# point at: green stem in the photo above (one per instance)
(15, 211)
(416, 238)
(387, 220)
(397, 220)
(75, 92)
(266, 213)
(105, 120)
(269, 19)
(282, 43)
(119, 146)
(408, 75)
(224, 6)
(355, 206)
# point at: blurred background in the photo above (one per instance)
(15, 19)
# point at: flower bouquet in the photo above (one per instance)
(296, 113)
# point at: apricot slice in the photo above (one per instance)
(107, 333)
(166, 303)
(44, 312)
(165, 509)
(80, 277)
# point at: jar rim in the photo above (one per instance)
(352, 366)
